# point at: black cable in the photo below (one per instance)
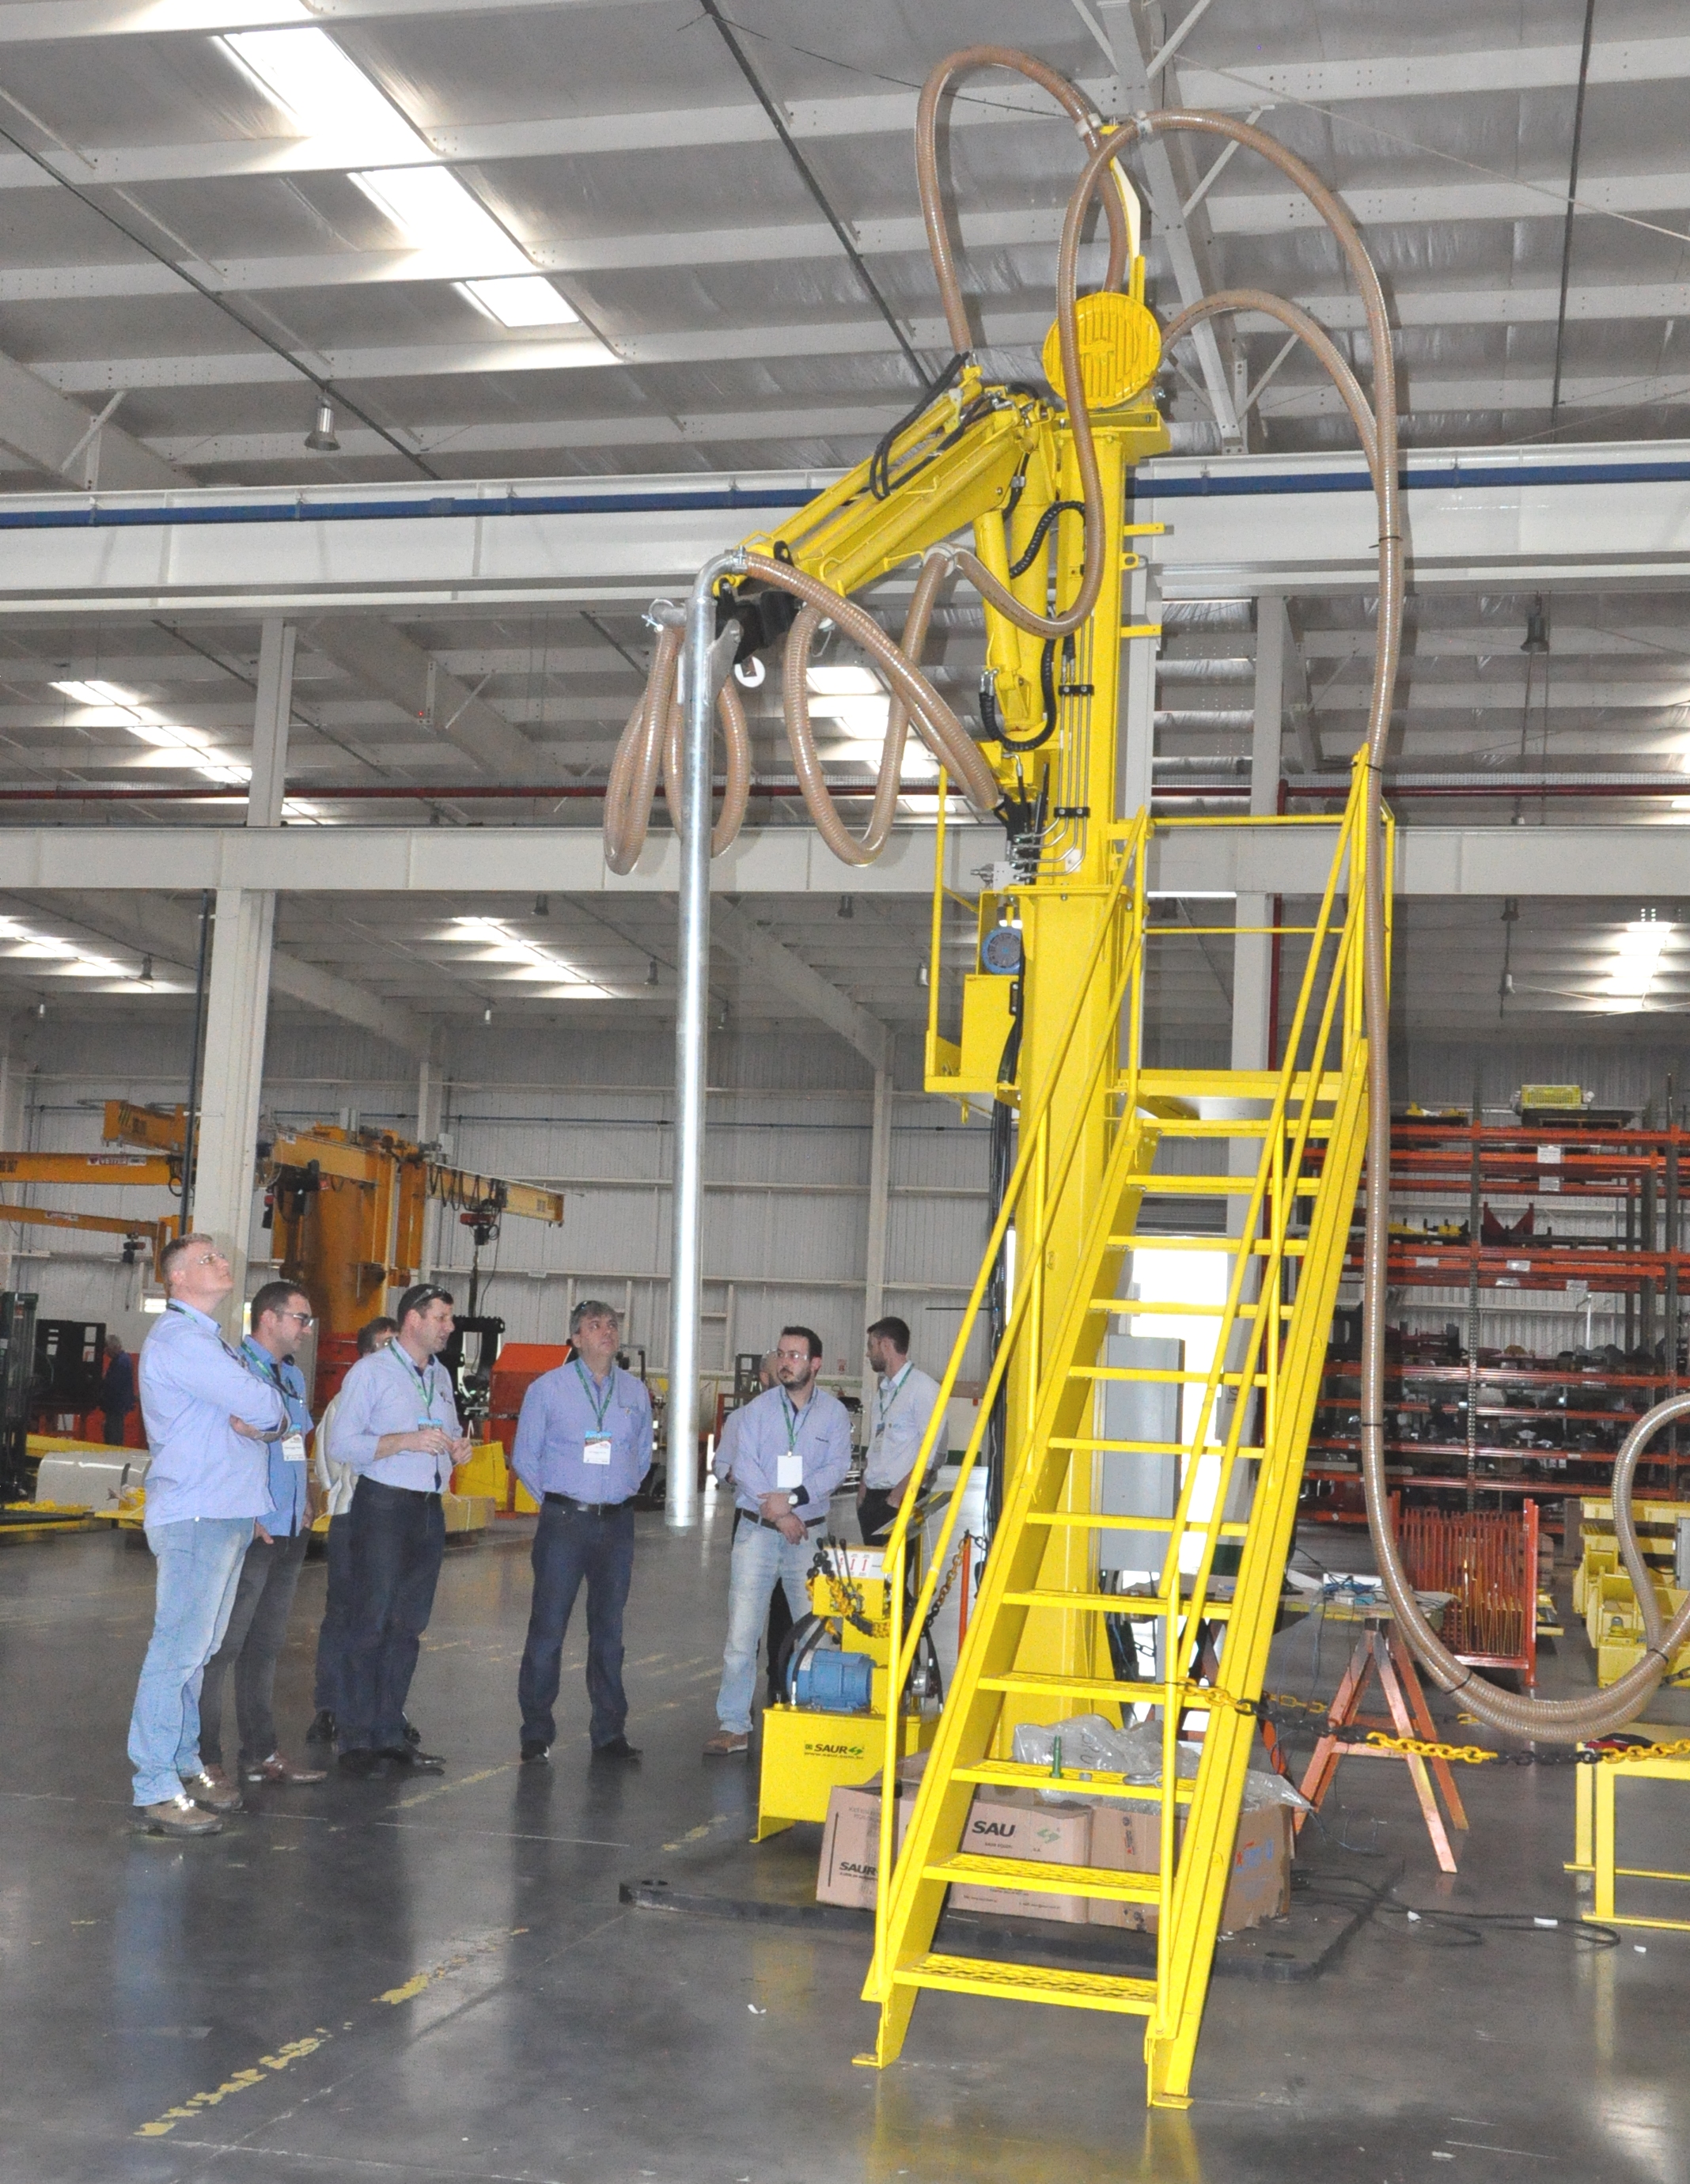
(1572, 199)
(777, 122)
(1041, 530)
(880, 462)
(326, 387)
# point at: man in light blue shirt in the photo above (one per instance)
(792, 1450)
(208, 1416)
(397, 1427)
(280, 1316)
(583, 1444)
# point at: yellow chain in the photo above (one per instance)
(1617, 1757)
(1422, 1748)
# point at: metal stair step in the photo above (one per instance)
(1132, 1998)
(1022, 1774)
(1118, 1603)
(1108, 1884)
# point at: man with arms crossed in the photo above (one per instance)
(792, 1450)
(397, 1428)
(897, 1420)
(270, 1575)
(208, 1417)
(583, 1444)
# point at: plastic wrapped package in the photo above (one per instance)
(1092, 1745)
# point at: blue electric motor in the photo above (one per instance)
(836, 1682)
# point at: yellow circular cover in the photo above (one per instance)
(1120, 346)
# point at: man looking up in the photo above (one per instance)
(397, 1428)
(898, 1419)
(280, 1316)
(208, 1416)
(792, 1450)
(583, 1444)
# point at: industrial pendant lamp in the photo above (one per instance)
(320, 439)
(1536, 631)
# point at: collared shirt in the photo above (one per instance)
(898, 1418)
(336, 1480)
(387, 1393)
(285, 1514)
(192, 1384)
(721, 1463)
(566, 1409)
(772, 1432)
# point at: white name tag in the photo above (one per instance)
(293, 1447)
(789, 1470)
(596, 1451)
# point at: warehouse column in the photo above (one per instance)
(14, 1077)
(237, 1000)
(1138, 697)
(880, 1191)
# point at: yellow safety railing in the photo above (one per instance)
(1129, 1090)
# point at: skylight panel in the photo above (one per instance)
(527, 300)
(306, 74)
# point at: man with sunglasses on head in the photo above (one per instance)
(397, 1427)
(792, 1449)
(280, 1317)
(208, 1417)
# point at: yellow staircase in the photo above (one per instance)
(1036, 1649)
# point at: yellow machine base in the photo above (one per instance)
(808, 1753)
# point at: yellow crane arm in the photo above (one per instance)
(126, 1168)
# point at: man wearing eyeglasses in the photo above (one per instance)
(252, 1645)
(792, 1450)
(208, 1416)
(397, 1428)
(583, 1444)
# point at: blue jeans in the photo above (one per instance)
(336, 1633)
(569, 1545)
(761, 1559)
(198, 1568)
(398, 1538)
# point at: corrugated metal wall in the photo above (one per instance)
(787, 1170)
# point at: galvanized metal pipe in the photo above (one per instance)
(692, 1046)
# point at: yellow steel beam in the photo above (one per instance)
(87, 1167)
(104, 1224)
(159, 1129)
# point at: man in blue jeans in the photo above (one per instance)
(792, 1450)
(583, 1444)
(397, 1428)
(208, 1416)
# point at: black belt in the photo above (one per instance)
(586, 1508)
(810, 1524)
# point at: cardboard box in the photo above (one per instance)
(1127, 1838)
(849, 1870)
(1021, 1824)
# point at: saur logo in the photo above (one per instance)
(835, 1750)
(1005, 1828)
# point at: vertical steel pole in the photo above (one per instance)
(692, 1046)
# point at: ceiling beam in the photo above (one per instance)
(483, 143)
(1435, 76)
(384, 659)
(1017, 331)
(47, 434)
(51, 22)
(1423, 205)
(760, 956)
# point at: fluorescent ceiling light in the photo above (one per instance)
(67, 959)
(172, 745)
(326, 92)
(429, 206)
(504, 946)
(97, 693)
(527, 300)
(1637, 958)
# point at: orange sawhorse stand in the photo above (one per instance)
(1378, 1653)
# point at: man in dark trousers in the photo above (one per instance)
(583, 1444)
(397, 1428)
(337, 1482)
(270, 1572)
(117, 1390)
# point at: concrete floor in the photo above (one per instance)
(435, 1979)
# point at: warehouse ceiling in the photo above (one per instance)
(550, 238)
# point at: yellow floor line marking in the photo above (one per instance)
(698, 1833)
(241, 2082)
(435, 1972)
(463, 1782)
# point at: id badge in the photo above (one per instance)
(789, 1470)
(293, 1447)
(596, 1449)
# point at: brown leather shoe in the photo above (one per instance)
(176, 1816)
(279, 1769)
(727, 1744)
(212, 1789)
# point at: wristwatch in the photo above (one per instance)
(792, 1500)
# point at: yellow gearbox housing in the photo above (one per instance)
(1120, 346)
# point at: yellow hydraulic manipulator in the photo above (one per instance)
(1054, 1024)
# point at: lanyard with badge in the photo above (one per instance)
(425, 1388)
(292, 1441)
(887, 1395)
(788, 1467)
(596, 1447)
